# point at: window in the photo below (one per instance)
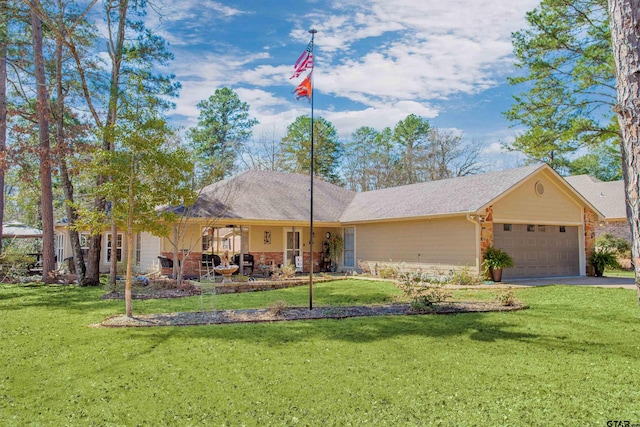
(349, 247)
(542, 228)
(84, 243)
(531, 228)
(118, 247)
(207, 239)
(59, 247)
(506, 227)
(563, 229)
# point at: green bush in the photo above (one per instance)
(602, 259)
(16, 265)
(611, 243)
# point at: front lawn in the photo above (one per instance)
(571, 359)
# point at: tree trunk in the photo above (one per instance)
(127, 289)
(116, 52)
(4, 40)
(67, 185)
(92, 277)
(624, 18)
(113, 262)
(42, 104)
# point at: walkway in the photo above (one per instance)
(604, 282)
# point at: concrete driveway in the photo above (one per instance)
(605, 282)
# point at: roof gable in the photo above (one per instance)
(443, 197)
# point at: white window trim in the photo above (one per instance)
(106, 247)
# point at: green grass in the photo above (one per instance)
(620, 273)
(571, 359)
(339, 292)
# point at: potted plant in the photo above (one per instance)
(494, 261)
(601, 259)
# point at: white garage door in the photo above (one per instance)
(539, 250)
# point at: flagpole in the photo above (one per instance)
(313, 33)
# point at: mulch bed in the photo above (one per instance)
(288, 314)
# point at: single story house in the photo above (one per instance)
(608, 198)
(531, 212)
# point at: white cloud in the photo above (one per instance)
(389, 58)
(378, 118)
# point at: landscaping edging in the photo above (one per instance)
(266, 285)
(267, 315)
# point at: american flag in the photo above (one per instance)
(304, 62)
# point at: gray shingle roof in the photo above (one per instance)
(276, 196)
(18, 229)
(264, 195)
(447, 196)
(607, 197)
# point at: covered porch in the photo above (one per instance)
(263, 246)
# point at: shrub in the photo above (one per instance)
(285, 272)
(15, 266)
(364, 266)
(423, 290)
(507, 298)
(463, 277)
(388, 271)
(611, 243)
(276, 308)
(602, 259)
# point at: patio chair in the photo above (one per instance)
(166, 262)
(209, 261)
(248, 263)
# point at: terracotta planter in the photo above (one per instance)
(496, 274)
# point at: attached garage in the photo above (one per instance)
(539, 250)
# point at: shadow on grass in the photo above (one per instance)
(476, 326)
(55, 297)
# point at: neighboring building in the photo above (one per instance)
(531, 212)
(608, 198)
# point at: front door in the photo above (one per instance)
(292, 250)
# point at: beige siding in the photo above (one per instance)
(256, 239)
(191, 239)
(149, 251)
(523, 205)
(449, 241)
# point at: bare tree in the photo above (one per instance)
(449, 157)
(265, 153)
(624, 16)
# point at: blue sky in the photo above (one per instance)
(376, 61)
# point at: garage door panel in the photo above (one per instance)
(539, 251)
